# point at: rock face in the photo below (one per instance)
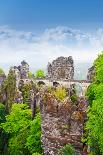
(61, 68)
(24, 70)
(91, 73)
(62, 123)
(21, 72)
(2, 78)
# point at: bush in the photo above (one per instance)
(60, 93)
(67, 150)
(40, 74)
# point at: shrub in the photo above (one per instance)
(60, 93)
(40, 74)
(67, 150)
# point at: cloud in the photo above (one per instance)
(39, 49)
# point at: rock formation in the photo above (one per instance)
(2, 78)
(62, 123)
(61, 68)
(91, 73)
(24, 70)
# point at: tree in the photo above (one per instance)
(94, 124)
(30, 74)
(24, 133)
(17, 127)
(26, 93)
(1, 72)
(40, 74)
(3, 136)
(34, 138)
(9, 89)
(67, 150)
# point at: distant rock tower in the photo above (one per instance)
(61, 68)
(20, 72)
(24, 70)
(91, 73)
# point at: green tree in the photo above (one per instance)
(26, 93)
(24, 133)
(36, 153)
(17, 126)
(94, 124)
(8, 88)
(30, 74)
(40, 74)
(1, 72)
(3, 136)
(67, 150)
(34, 138)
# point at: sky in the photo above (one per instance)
(38, 31)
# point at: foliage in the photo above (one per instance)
(9, 88)
(30, 74)
(67, 150)
(33, 140)
(1, 72)
(24, 133)
(26, 93)
(17, 126)
(2, 113)
(36, 153)
(73, 98)
(60, 93)
(40, 74)
(3, 136)
(94, 124)
(98, 63)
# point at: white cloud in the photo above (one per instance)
(38, 50)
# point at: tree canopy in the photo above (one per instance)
(1, 71)
(94, 125)
(24, 133)
(39, 74)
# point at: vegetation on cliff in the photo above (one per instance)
(39, 74)
(1, 72)
(67, 150)
(23, 132)
(94, 123)
(8, 89)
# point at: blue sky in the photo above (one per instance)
(41, 30)
(39, 14)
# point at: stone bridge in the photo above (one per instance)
(83, 84)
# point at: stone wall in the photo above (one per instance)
(62, 123)
(61, 68)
